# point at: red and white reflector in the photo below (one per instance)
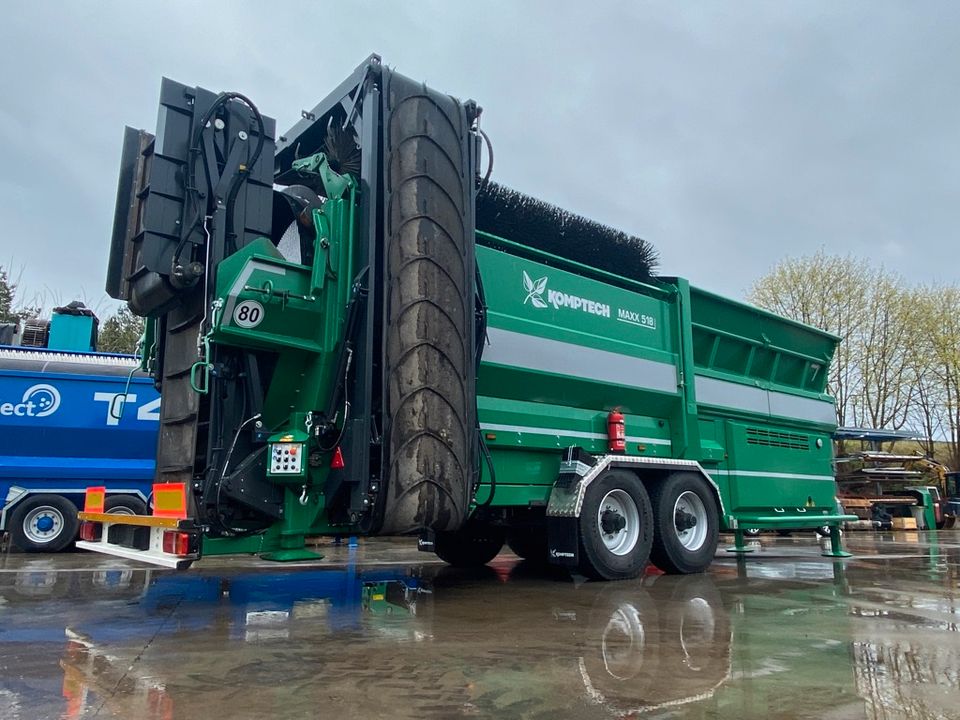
(336, 462)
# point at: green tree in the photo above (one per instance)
(10, 310)
(121, 332)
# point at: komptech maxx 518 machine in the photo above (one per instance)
(355, 331)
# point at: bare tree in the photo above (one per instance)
(928, 408)
(883, 347)
(944, 330)
(876, 369)
(825, 291)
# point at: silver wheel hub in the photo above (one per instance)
(43, 524)
(690, 520)
(619, 521)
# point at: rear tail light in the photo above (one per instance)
(178, 543)
(90, 531)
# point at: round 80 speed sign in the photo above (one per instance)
(248, 314)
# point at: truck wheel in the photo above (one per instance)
(125, 505)
(751, 532)
(473, 545)
(687, 524)
(429, 277)
(616, 527)
(529, 544)
(44, 523)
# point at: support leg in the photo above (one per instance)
(836, 546)
(739, 546)
(291, 550)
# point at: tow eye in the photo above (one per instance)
(612, 522)
(684, 520)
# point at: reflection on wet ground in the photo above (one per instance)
(381, 631)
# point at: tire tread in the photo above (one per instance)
(429, 412)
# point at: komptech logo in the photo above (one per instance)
(37, 401)
(534, 290)
(559, 299)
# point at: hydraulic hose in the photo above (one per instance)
(196, 151)
(481, 338)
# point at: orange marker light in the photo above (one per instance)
(94, 499)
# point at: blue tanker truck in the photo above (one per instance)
(69, 419)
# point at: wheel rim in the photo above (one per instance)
(623, 643)
(690, 520)
(121, 510)
(619, 521)
(43, 524)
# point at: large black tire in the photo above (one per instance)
(669, 552)
(473, 545)
(43, 523)
(529, 544)
(614, 552)
(430, 407)
(125, 504)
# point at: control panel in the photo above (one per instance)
(286, 458)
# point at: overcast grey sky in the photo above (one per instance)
(729, 134)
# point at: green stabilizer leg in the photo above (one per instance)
(739, 546)
(836, 546)
(291, 549)
(291, 555)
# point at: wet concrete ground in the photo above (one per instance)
(383, 631)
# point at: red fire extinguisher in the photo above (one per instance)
(616, 431)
